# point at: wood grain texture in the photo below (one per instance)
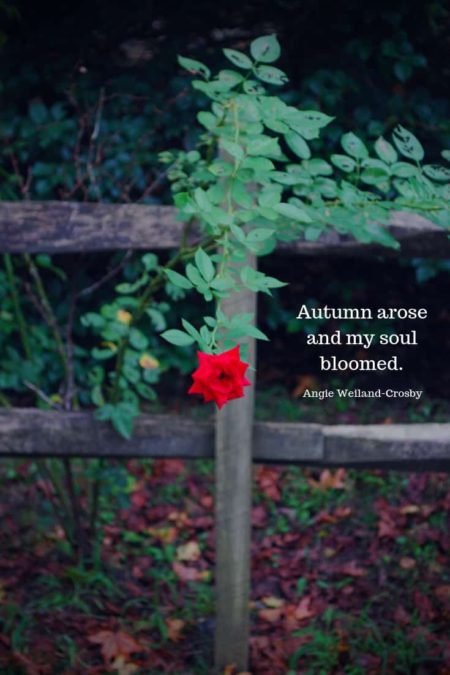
(42, 433)
(233, 481)
(63, 227)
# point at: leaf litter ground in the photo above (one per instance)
(349, 574)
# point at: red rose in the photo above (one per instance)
(220, 377)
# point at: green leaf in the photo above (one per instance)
(202, 199)
(194, 67)
(404, 169)
(385, 150)
(306, 122)
(232, 148)
(150, 261)
(259, 234)
(138, 339)
(220, 284)
(317, 167)
(446, 155)
(265, 49)
(122, 422)
(263, 145)
(97, 395)
(38, 112)
(374, 175)
(271, 75)
(230, 77)
(178, 279)
(298, 145)
(258, 164)
(437, 172)
(204, 265)
(354, 146)
(102, 354)
(238, 58)
(254, 332)
(145, 391)
(194, 275)
(220, 168)
(270, 196)
(207, 119)
(177, 337)
(253, 88)
(189, 328)
(344, 163)
(293, 212)
(407, 144)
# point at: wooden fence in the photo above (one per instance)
(235, 441)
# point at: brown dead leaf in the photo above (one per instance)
(188, 552)
(407, 563)
(272, 615)
(401, 615)
(267, 479)
(174, 629)
(186, 573)
(303, 610)
(179, 518)
(409, 509)
(351, 569)
(165, 535)
(122, 667)
(387, 527)
(272, 601)
(304, 382)
(443, 593)
(115, 644)
(330, 480)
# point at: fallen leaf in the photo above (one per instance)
(174, 629)
(271, 615)
(351, 569)
(179, 518)
(166, 535)
(123, 667)
(330, 480)
(303, 610)
(443, 593)
(272, 601)
(267, 480)
(115, 644)
(186, 573)
(304, 382)
(409, 509)
(188, 552)
(387, 527)
(401, 616)
(407, 563)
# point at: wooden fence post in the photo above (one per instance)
(233, 466)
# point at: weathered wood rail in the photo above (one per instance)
(28, 432)
(63, 227)
(67, 227)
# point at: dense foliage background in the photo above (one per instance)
(91, 92)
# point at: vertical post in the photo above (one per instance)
(234, 426)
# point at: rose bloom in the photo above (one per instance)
(220, 377)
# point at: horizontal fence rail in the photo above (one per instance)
(65, 227)
(28, 432)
